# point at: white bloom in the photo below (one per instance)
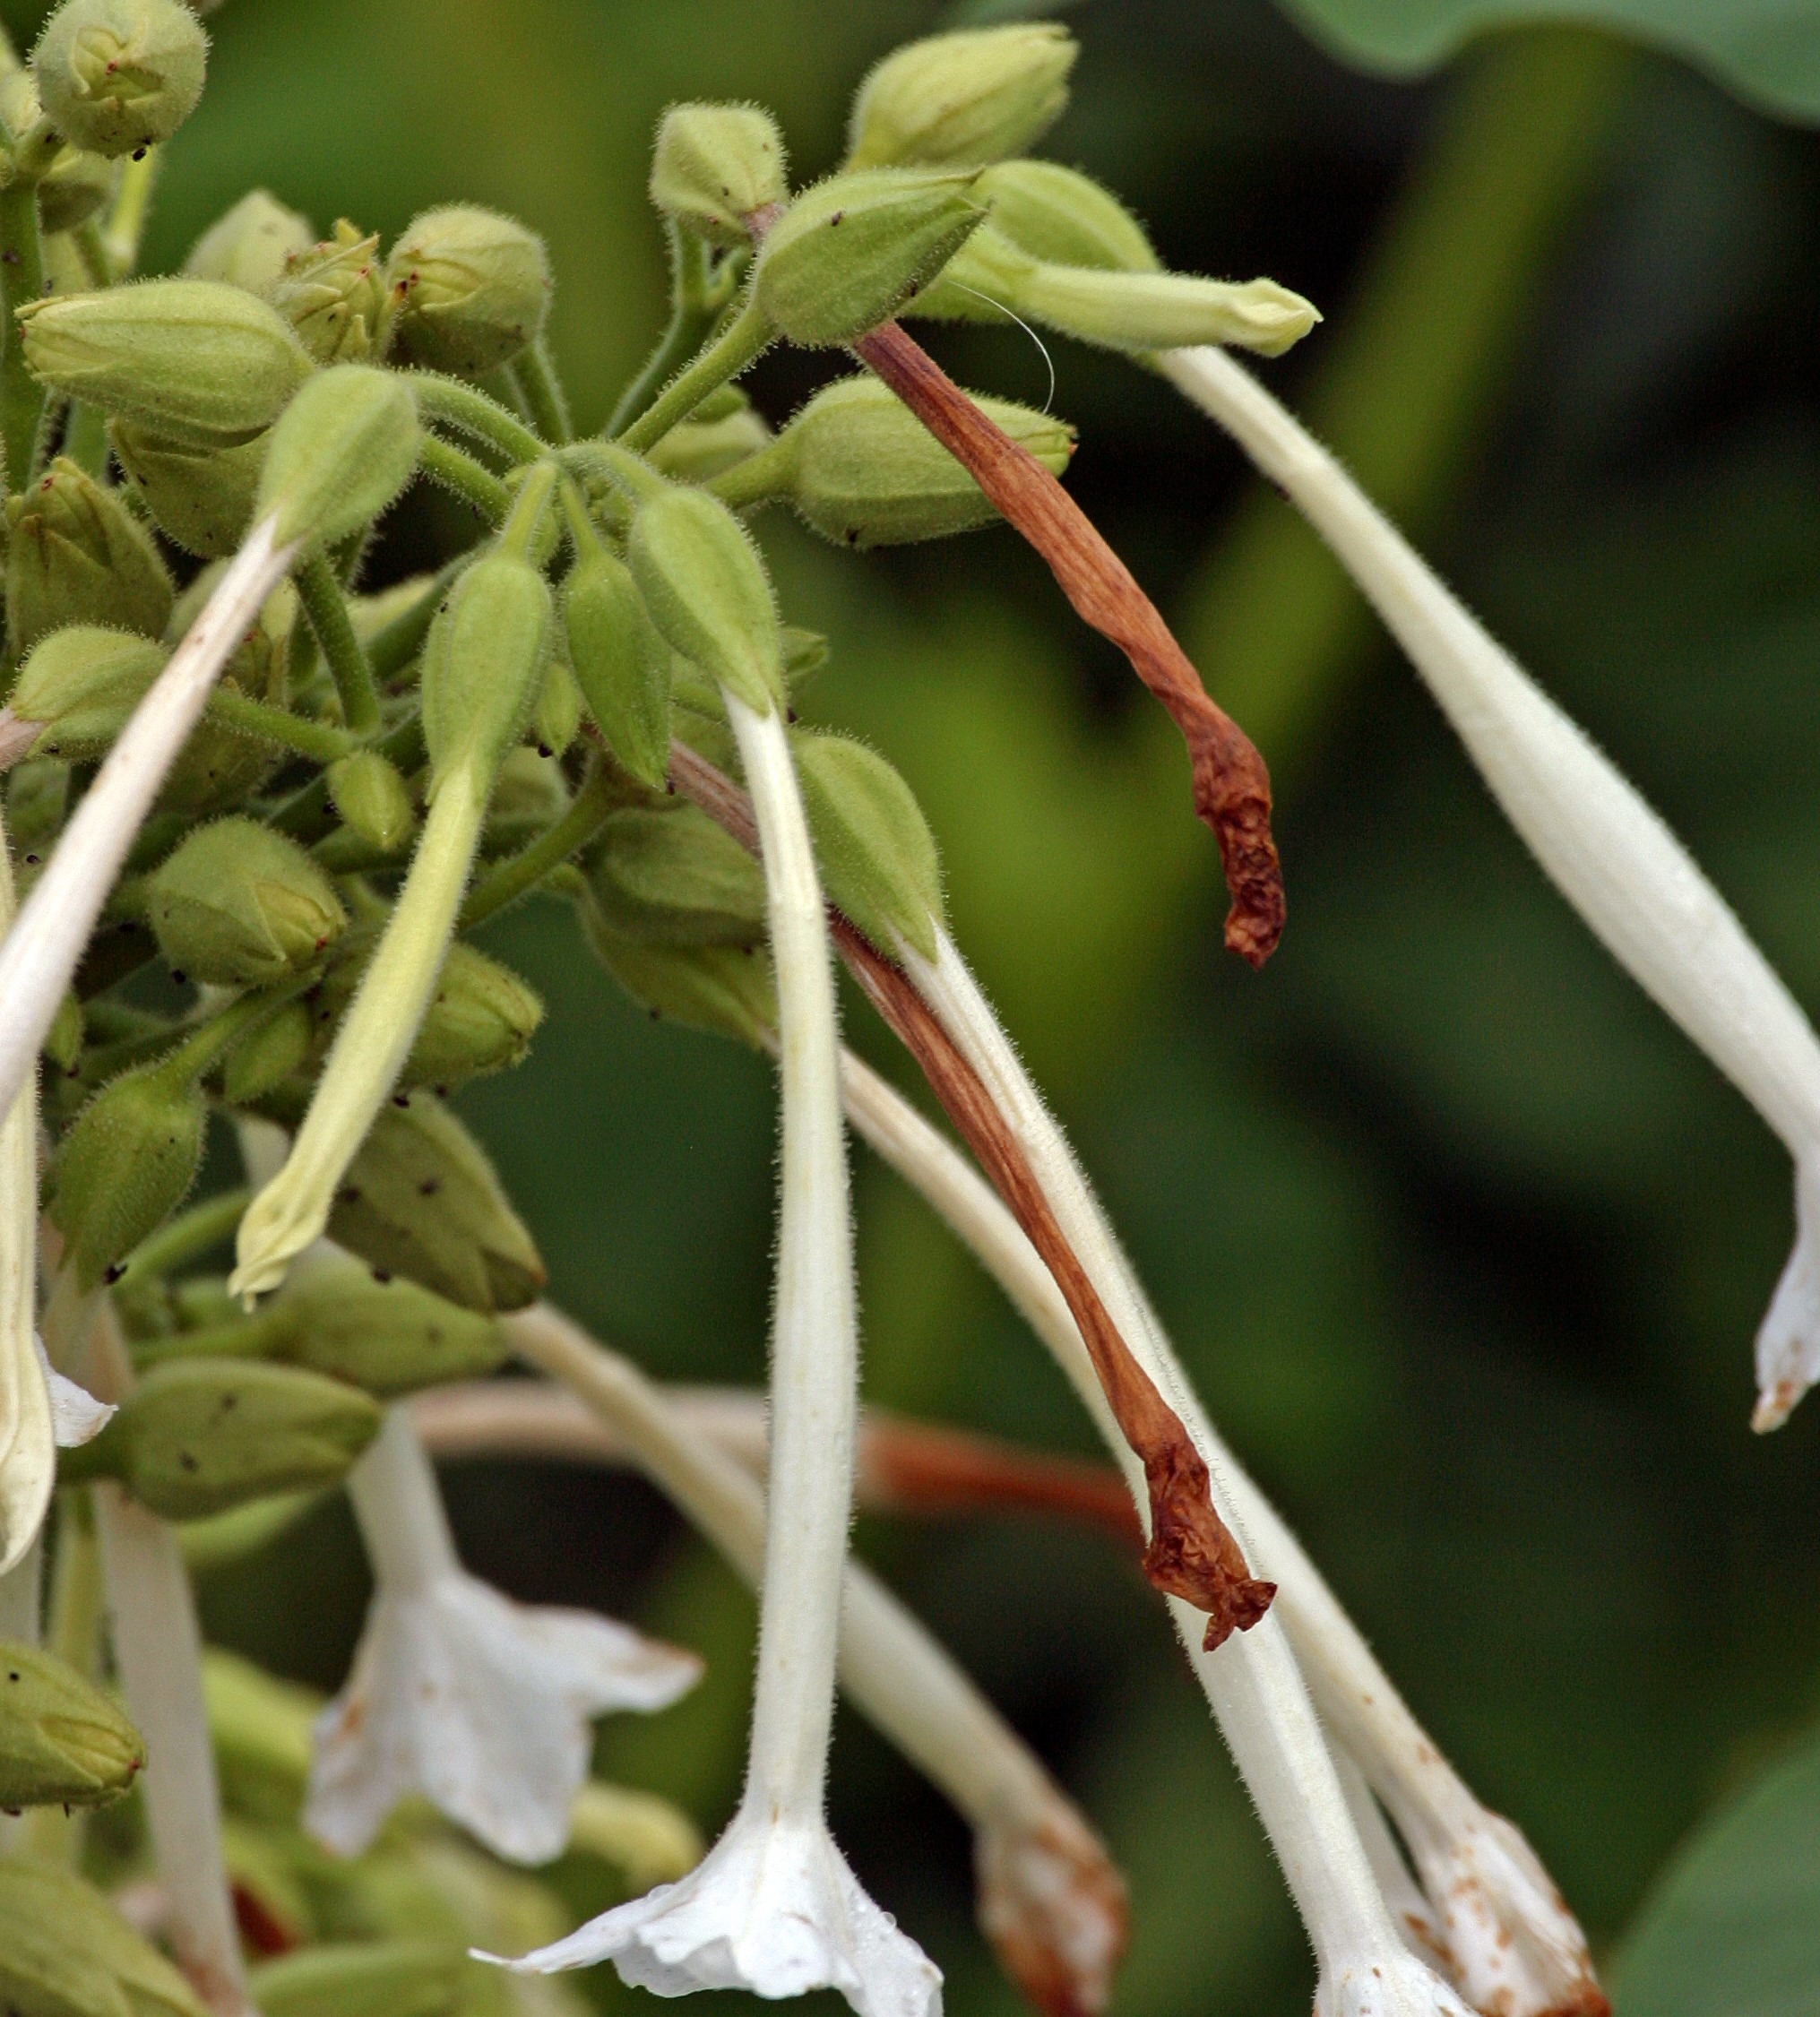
(481, 1704)
(1613, 859)
(76, 1417)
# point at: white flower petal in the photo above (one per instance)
(1788, 1341)
(1054, 1908)
(1398, 1986)
(76, 1417)
(773, 1910)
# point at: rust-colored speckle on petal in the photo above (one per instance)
(1053, 1906)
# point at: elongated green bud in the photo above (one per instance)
(961, 99)
(722, 431)
(706, 590)
(471, 288)
(200, 498)
(483, 664)
(200, 1435)
(1061, 216)
(64, 1952)
(720, 988)
(242, 906)
(335, 296)
(63, 1742)
(117, 75)
(390, 1338)
(372, 799)
(556, 718)
(196, 361)
(672, 878)
(82, 684)
(344, 449)
(850, 252)
(125, 1165)
(421, 1199)
(621, 664)
(259, 1065)
(77, 556)
(364, 1978)
(250, 245)
(714, 166)
(480, 1017)
(872, 846)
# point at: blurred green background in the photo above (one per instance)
(1465, 1245)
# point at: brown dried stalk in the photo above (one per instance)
(1191, 1553)
(1231, 784)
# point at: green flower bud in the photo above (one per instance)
(344, 448)
(125, 1165)
(483, 664)
(241, 905)
(259, 1727)
(76, 184)
(64, 1952)
(722, 432)
(421, 1200)
(62, 1041)
(848, 252)
(37, 796)
(556, 718)
(719, 989)
(266, 1057)
(672, 878)
(197, 361)
(372, 799)
(199, 1435)
(705, 588)
(877, 855)
(63, 1743)
(471, 289)
(714, 165)
(200, 498)
(250, 246)
(528, 795)
(805, 653)
(82, 684)
(335, 296)
(481, 1019)
(961, 99)
(621, 665)
(1064, 216)
(218, 768)
(390, 1336)
(117, 75)
(77, 556)
(365, 1979)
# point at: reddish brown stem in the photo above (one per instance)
(1231, 784)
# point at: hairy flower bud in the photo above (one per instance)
(373, 799)
(620, 663)
(200, 498)
(125, 1165)
(77, 556)
(364, 1978)
(471, 288)
(250, 245)
(722, 431)
(421, 1199)
(556, 718)
(197, 361)
(335, 296)
(117, 75)
(64, 1952)
(82, 684)
(714, 165)
(872, 846)
(1062, 217)
(76, 184)
(200, 1435)
(481, 1019)
(243, 906)
(342, 451)
(483, 663)
(388, 1337)
(706, 590)
(961, 99)
(265, 1059)
(672, 878)
(62, 1741)
(726, 990)
(850, 252)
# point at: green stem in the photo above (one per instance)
(125, 225)
(22, 280)
(472, 483)
(96, 264)
(465, 407)
(544, 394)
(320, 741)
(518, 535)
(203, 1047)
(191, 1233)
(327, 609)
(743, 340)
(759, 480)
(514, 878)
(247, 1337)
(85, 438)
(691, 319)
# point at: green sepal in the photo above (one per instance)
(480, 1017)
(389, 1338)
(483, 664)
(268, 1055)
(249, 246)
(363, 1979)
(724, 989)
(63, 1742)
(713, 165)
(706, 590)
(341, 452)
(556, 718)
(372, 800)
(672, 878)
(75, 555)
(334, 295)
(125, 1165)
(200, 498)
(621, 664)
(873, 847)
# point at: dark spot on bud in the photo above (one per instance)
(185, 1459)
(229, 1401)
(544, 749)
(139, 154)
(429, 1187)
(111, 1275)
(32, 861)
(347, 1195)
(400, 1099)
(13, 1674)
(382, 1276)
(838, 215)
(178, 977)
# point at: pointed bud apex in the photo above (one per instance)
(200, 498)
(481, 1019)
(364, 1978)
(266, 1057)
(62, 1741)
(249, 247)
(196, 360)
(77, 556)
(125, 1165)
(713, 165)
(389, 1338)
(421, 1199)
(471, 288)
(372, 799)
(116, 75)
(240, 905)
(483, 664)
(848, 252)
(963, 99)
(64, 1952)
(556, 718)
(335, 296)
(621, 665)
(722, 432)
(672, 878)
(872, 846)
(200, 1435)
(82, 684)
(720, 988)
(1064, 216)
(342, 451)
(706, 590)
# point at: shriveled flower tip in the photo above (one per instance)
(773, 1910)
(1054, 1908)
(1787, 1340)
(482, 1706)
(1392, 1986)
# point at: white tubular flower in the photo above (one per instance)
(1468, 1892)
(1611, 856)
(481, 1704)
(1049, 1899)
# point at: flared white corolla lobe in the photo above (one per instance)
(76, 1417)
(1395, 1985)
(773, 1910)
(479, 1704)
(1787, 1340)
(1054, 1908)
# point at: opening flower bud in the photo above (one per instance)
(481, 1019)
(850, 252)
(250, 245)
(471, 288)
(389, 1338)
(200, 498)
(201, 1436)
(706, 590)
(77, 556)
(64, 1952)
(714, 165)
(620, 663)
(344, 449)
(62, 1741)
(335, 296)
(872, 846)
(364, 1978)
(672, 878)
(201, 362)
(372, 799)
(963, 99)
(82, 684)
(242, 906)
(483, 664)
(125, 1165)
(116, 75)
